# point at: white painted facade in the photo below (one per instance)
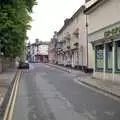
(104, 16)
(77, 56)
(40, 49)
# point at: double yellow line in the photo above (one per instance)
(11, 103)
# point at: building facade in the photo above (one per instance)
(52, 49)
(72, 42)
(59, 52)
(38, 52)
(104, 35)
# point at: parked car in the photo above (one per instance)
(23, 65)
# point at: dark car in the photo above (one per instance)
(23, 65)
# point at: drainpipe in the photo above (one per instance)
(87, 39)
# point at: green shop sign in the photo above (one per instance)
(111, 34)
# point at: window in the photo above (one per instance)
(109, 57)
(117, 54)
(99, 59)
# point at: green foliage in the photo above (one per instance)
(14, 23)
(30, 4)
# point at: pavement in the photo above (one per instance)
(5, 81)
(47, 93)
(77, 73)
(107, 86)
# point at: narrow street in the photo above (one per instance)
(47, 93)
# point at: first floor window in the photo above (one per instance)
(99, 51)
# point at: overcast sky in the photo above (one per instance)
(49, 15)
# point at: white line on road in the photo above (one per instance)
(96, 90)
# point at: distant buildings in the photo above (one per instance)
(38, 52)
(52, 49)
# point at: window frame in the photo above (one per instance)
(109, 70)
(96, 67)
(117, 70)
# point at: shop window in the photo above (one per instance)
(99, 51)
(117, 55)
(109, 57)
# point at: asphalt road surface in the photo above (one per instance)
(47, 93)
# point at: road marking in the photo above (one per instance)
(14, 99)
(8, 106)
(11, 103)
(98, 91)
(58, 104)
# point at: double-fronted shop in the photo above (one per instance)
(107, 52)
(103, 25)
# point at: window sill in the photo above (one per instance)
(99, 70)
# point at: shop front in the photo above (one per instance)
(107, 55)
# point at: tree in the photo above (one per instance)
(29, 3)
(14, 23)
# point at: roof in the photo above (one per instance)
(81, 9)
(97, 2)
(43, 43)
